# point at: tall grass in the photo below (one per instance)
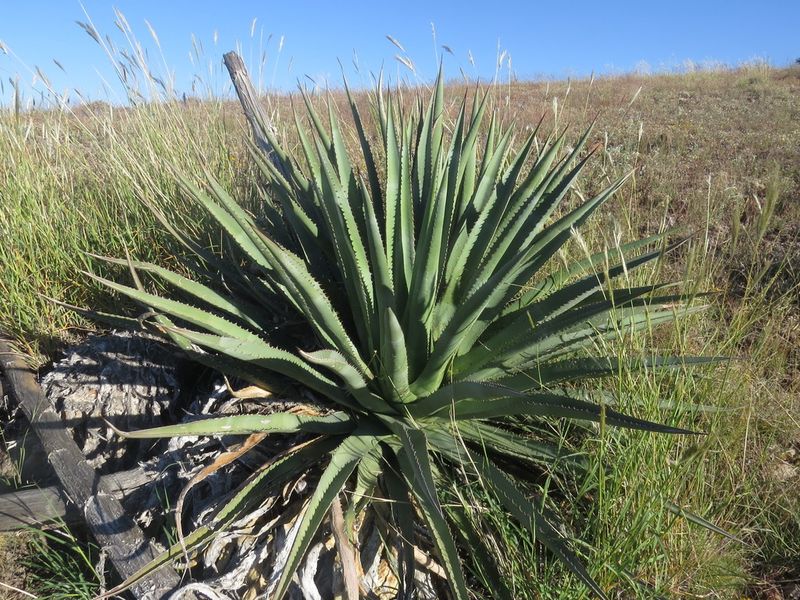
(73, 183)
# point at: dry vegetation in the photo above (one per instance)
(716, 153)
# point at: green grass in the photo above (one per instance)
(60, 566)
(716, 153)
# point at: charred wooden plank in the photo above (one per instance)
(123, 541)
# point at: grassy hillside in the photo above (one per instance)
(715, 153)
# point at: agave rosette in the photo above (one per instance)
(402, 286)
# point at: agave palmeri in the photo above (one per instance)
(403, 287)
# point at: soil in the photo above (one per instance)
(13, 575)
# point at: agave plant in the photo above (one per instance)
(407, 288)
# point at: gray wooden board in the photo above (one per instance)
(120, 537)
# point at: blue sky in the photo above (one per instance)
(543, 39)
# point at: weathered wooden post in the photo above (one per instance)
(260, 123)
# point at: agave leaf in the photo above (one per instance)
(195, 316)
(553, 405)
(555, 280)
(384, 290)
(573, 294)
(319, 128)
(574, 369)
(315, 304)
(523, 202)
(402, 516)
(416, 467)
(395, 359)
(392, 199)
(249, 372)
(261, 354)
(467, 175)
(366, 151)
(405, 232)
(527, 514)
(343, 165)
(349, 247)
(332, 424)
(487, 209)
(113, 320)
(425, 275)
(487, 301)
(367, 475)
(612, 326)
(343, 461)
(448, 395)
(504, 441)
(228, 222)
(300, 214)
(192, 288)
(353, 380)
(570, 296)
(480, 554)
(516, 344)
(309, 152)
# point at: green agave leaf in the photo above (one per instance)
(343, 462)
(395, 359)
(195, 316)
(248, 372)
(552, 405)
(625, 321)
(113, 320)
(384, 290)
(403, 520)
(416, 468)
(315, 304)
(366, 150)
(487, 301)
(192, 288)
(534, 290)
(504, 441)
(516, 345)
(297, 210)
(367, 475)
(319, 128)
(353, 380)
(576, 293)
(346, 234)
(488, 207)
(261, 354)
(335, 423)
(233, 226)
(527, 514)
(343, 165)
(574, 369)
(448, 395)
(467, 166)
